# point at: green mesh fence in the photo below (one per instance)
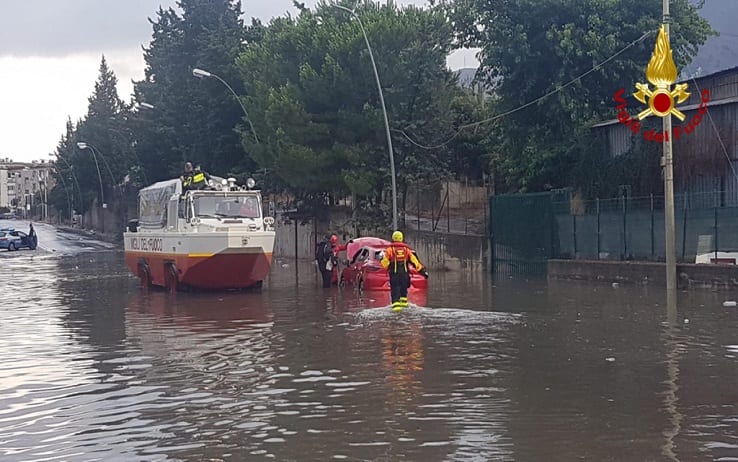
(531, 228)
(522, 232)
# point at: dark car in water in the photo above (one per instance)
(11, 239)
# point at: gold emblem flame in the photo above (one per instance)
(662, 73)
(661, 70)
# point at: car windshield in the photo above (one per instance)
(227, 206)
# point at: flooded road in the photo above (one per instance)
(94, 369)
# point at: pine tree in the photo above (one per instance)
(104, 130)
(194, 120)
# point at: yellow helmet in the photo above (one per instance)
(397, 236)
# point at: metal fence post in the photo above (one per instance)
(716, 236)
(653, 248)
(466, 215)
(684, 227)
(574, 230)
(599, 250)
(624, 248)
(417, 202)
(448, 208)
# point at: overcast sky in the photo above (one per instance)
(50, 52)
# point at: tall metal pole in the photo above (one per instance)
(112, 178)
(99, 177)
(669, 232)
(384, 112)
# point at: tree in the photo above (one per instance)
(534, 47)
(104, 130)
(194, 119)
(68, 172)
(315, 105)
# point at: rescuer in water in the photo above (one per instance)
(395, 260)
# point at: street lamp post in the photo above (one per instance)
(84, 145)
(669, 245)
(69, 199)
(74, 177)
(384, 112)
(199, 73)
(99, 177)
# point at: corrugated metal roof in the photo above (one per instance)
(690, 107)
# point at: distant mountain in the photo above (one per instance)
(718, 53)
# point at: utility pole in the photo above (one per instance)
(669, 232)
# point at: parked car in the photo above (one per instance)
(364, 270)
(8, 216)
(13, 240)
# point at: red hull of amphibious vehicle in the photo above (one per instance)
(222, 271)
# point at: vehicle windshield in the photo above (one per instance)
(226, 206)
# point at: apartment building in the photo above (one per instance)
(24, 186)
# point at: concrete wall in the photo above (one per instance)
(645, 273)
(111, 220)
(294, 238)
(435, 250)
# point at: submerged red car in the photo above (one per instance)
(364, 270)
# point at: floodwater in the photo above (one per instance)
(94, 369)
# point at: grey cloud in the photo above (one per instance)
(63, 27)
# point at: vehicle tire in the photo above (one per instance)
(144, 275)
(11, 247)
(171, 278)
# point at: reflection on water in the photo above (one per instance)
(94, 369)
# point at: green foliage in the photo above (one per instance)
(104, 132)
(314, 103)
(193, 119)
(533, 47)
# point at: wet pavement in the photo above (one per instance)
(54, 240)
(95, 369)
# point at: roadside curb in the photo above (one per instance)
(110, 238)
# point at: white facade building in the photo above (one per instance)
(24, 186)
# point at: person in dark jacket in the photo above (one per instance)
(186, 178)
(395, 260)
(200, 179)
(32, 238)
(325, 257)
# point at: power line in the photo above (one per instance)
(530, 103)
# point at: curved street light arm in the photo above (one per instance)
(99, 176)
(201, 73)
(112, 178)
(74, 177)
(66, 190)
(384, 112)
